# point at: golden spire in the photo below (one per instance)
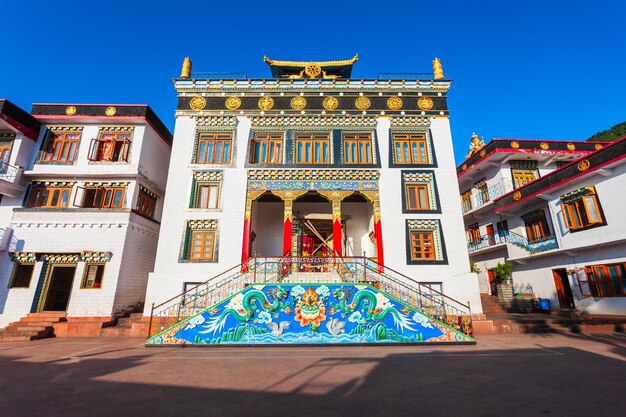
(438, 69)
(186, 71)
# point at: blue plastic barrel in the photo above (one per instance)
(545, 304)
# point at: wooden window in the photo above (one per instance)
(146, 203)
(583, 282)
(417, 197)
(357, 148)
(267, 148)
(21, 276)
(607, 280)
(582, 212)
(410, 148)
(422, 247)
(100, 197)
(5, 154)
(49, 196)
(214, 148)
(111, 147)
(93, 276)
(207, 196)
(537, 228)
(202, 244)
(313, 148)
(61, 147)
(523, 176)
(473, 234)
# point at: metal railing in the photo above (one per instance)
(480, 197)
(8, 172)
(220, 75)
(351, 270)
(406, 76)
(537, 246)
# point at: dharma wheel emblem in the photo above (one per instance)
(483, 152)
(515, 144)
(330, 103)
(517, 195)
(544, 146)
(70, 110)
(233, 103)
(584, 165)
(571, 146)
(298, 103)
(266, 103)
(110, 111)
(362, 103)
(425, 103)
(598, 146)
(312, 70)
(394, 103)
(197, 103)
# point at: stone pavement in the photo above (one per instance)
(503, 375)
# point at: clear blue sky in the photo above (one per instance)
(529, 69)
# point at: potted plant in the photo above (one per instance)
(503, 272)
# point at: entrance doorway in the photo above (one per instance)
(59, 287)
(563, 289)
(492, 282)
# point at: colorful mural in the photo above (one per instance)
(309, 314)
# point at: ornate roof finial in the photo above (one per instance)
(476, 145)
(186, 71)
(437, 69)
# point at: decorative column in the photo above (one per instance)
(373, 196)
(288, 197)
(245, 247)
(336, 197)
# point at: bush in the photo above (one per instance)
(503, 272)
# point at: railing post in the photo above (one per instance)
(150, 325)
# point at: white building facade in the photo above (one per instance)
(85, 227)
(312, 164)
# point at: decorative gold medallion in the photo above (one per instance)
(425, 103)
(110, 111)
(266, 103)
(544, 146)
(583, 165)
(571, 146)
(197, 103)
(233, 103)
(394, 103)
(515, 144)
(362, 103)
(298, 103)
(464, 167)
(517, 195)
(313, 70)
(483, 153)
(330, 103)
(70, 110)
(598, 146)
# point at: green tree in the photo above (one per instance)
(503, 272)
(616, 132)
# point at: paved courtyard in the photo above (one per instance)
(516, 375)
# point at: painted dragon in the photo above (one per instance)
(370, 304)
(249, 308)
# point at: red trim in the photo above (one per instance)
(107, 118)
(378, 232)
(287, 237)
(245, 247)
(337, 238)
(29, 133)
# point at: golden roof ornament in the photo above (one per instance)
(186, 70)
(476, 145)
(438, 69)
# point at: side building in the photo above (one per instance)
(85, 228)
(312, 164)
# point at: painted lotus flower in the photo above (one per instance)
(310, 310)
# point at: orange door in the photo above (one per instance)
(492, 281)
(560, 291)
(490, 236)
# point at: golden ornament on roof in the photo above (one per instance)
(298, 103)
(266, 103)
(233, 103)
(515, 144)
(362, 103)
(598, 146)
(583, 165)
(437, 69)
(425, 103)
(517, 195)
(394, 103)
(330, 103)
(313, 70)
(110, 111)
(544, 146)
(70, 110)
(185, 72)
(197, 103)
(571, 146)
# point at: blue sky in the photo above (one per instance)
(531, 69)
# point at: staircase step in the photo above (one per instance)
(136, 316)
(32, 323)
(10, 338)
(51, 314)
(39, 319)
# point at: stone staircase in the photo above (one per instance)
(33, 326)
(135, 325)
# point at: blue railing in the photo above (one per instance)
(537, 246)
(483, 196)
(8, 172)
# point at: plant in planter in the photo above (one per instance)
(503, 272)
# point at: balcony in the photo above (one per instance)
(543, 244)
(479, 198)
(10, 177)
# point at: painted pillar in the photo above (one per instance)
(378, 232)
(337, 230)
(245, 246)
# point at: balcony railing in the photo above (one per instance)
(542, 244)
(482, 197)
(8, 172)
